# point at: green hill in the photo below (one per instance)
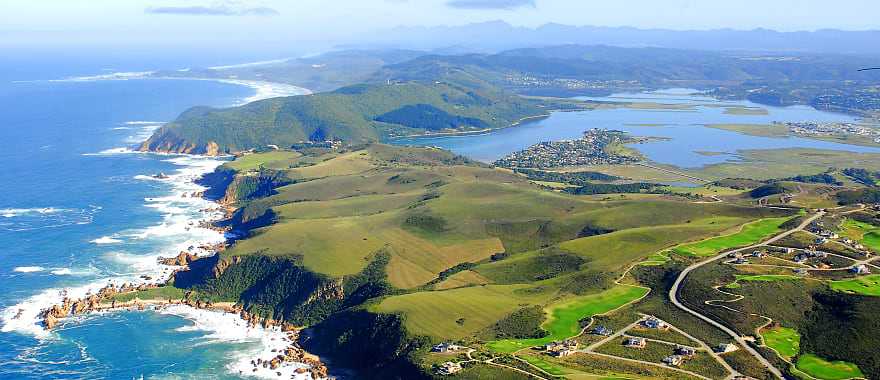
(354, 114)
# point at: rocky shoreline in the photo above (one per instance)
(104, 300)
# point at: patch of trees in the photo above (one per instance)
(848, 197)
(608, 188)
(574, 178)
(524, 323)
(457, 268)
(816, 178)
(769, 189)
(426, 116)
(862, 176)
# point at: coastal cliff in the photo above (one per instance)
(283, 291)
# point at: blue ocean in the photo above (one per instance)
(79, 210)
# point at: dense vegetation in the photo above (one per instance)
(581, 178)
(610, 188)
(426, 116)
(862, 176)
(354, 114)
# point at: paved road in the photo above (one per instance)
(673, 292)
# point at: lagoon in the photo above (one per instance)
(686, 139)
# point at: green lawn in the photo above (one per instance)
(867, 285)
(785, 341)
(864, 233)
(544, 365)
(564, 317)
(823, 369)
(751, 233)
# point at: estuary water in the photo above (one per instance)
(79, 210)
(686, 138)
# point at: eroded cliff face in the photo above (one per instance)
(165, 141)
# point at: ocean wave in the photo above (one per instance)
(73, 272)
(31, 269)
(221, 327)
(29, 219)
(186, 213)
(113, 151)
(105, 240)
(13, 212)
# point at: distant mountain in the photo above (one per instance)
(498, 35)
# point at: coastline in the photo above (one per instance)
(471, 133)
(277, 345)
(279, 355)
(264, 89)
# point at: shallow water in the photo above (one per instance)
(686, 136)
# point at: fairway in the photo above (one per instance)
(866, 286)
(825, 370)
(785, 341)
(760, 278)
(750, 233)
(563, 321)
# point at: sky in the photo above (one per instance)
(310, 23)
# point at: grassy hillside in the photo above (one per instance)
(354, 114)
(427, 246)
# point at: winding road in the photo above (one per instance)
(676, 287)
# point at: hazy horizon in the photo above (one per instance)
(268, 24)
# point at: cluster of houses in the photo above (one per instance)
(650, 322)
(446, 347)
(561, 348)
(740, 258)
(447, 368)
(809, 253)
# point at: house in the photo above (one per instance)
(635, 342)
(740, 261)
(724, 348)
(448, 368)
(563, 352)
(801, 272)
(655, 323)
(800, 258)
(446, 347)
(781, 249)
(561, 348)
(860, 269)
(734, 255)
(759, 254)
(673, 360)
(685, 351)
(821, 240)
(602, 330)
